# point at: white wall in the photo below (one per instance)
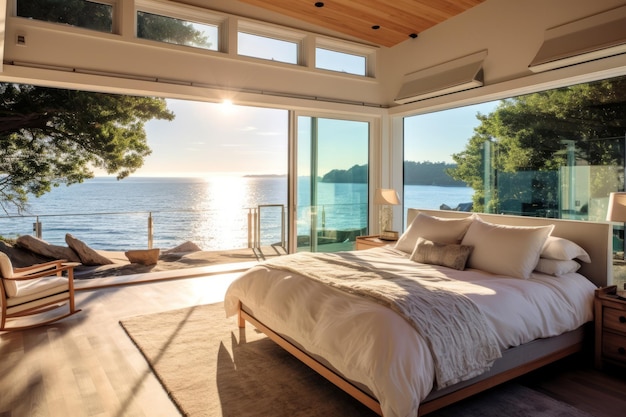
(73, 50)
(510, 30)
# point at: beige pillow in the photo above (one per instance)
(444, 254)
(505, 250)
(433, 228)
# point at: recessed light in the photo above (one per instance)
(376, 27)
(319, 4)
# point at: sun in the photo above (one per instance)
(227, 106)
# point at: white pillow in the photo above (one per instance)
(505, 250)
(433, 228)
(563, 250)
(556, 268)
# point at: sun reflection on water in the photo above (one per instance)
(225, 198)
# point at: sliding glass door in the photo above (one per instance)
(332, 183)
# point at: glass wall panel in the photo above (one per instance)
(430, 141)
(332, 187)
(556, 154)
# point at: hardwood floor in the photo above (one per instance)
(575, 381)
(87, 366)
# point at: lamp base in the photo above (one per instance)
(385, 219)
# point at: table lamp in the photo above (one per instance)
(616, 211)
(386, 197)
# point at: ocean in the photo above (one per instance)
(212, 212)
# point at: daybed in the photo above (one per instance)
(456, 306)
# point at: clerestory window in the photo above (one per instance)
(94, 15)
(272, 43)
(340, 61)
(177, 31)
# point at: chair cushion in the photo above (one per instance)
(6, 268)
(6, 271)
(25, 304)
(38, 288)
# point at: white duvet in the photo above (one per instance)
(372, 345)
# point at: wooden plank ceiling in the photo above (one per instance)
(380, 22)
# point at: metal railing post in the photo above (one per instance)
(257, 227)
(150, 231)
(282, 226)
(37, 228)
(250, 233)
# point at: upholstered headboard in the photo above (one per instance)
(594, 237)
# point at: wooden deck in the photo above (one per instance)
(87, 366)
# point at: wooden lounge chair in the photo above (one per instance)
(35, 289)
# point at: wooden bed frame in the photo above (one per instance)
(593, 237)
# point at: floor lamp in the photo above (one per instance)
(386, 197)
(616, 211)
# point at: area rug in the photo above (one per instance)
(211, 368)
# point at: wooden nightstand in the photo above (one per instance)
(372, 241)
(610, 328)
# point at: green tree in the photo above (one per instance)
(356, 174)
(170, 30)
(51, 136)
(81, 13)
(429, 173)
(538, 132)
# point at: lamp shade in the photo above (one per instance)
(617, 207)
(386, 196)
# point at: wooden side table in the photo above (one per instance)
(372, 241)
(610, 328)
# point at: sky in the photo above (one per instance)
(213, 139)
(220, 139)
(436, 136)
(216, 138)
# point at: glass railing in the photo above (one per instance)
(117, 231)
(262, 226)
(330, 227)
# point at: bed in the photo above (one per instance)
(525, 311)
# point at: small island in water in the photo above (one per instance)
(415, 173)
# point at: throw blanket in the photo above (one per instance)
(461, 342)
